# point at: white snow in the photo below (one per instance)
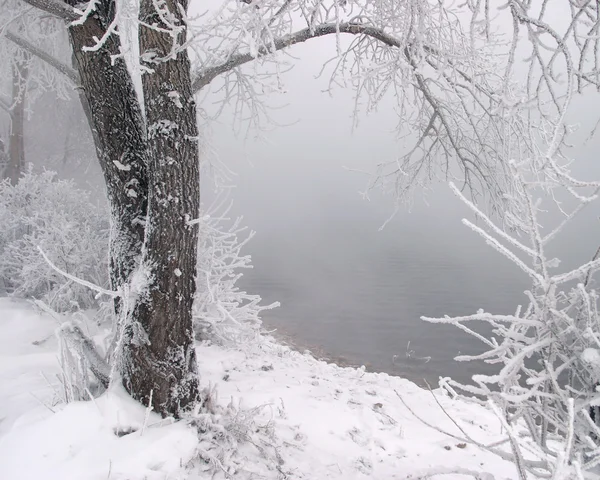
(591, 356)
(122, 167)
(176, 98)
(327, 422)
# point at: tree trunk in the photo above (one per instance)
(164, 367)
(110, 103)
(153, 188)
(16, 140)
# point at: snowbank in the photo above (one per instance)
(324, 421)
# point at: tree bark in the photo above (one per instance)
(164, 367)
(111, 105)
(16, 140)
(153, 189)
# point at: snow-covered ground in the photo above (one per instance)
(276, 413)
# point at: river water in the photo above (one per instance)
(358, 300)
(353, 293)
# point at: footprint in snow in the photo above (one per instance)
(358, 437)
(364, 465)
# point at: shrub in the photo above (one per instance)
(67, 225)
(548, 354)
(223, 313)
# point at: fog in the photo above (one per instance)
(348, 290)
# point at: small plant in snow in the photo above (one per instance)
(223, 313)
(79, 356)
(226, 434)
(41, 211)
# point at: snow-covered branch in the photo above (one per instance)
(547, 355)
(56, 7)
(54, 62)
(206, 75)
(223, 312)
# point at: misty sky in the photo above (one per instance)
(296, 179)
(318, 249)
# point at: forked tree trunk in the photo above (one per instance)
(16, 140)
(110, 103)
(164, 367)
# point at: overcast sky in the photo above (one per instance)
(318, 243)
(296, 178)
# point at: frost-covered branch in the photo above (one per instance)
(448, 66)
(56, 7)
(223, 312)
(73, 278)
(34, 42)
(205, 75)
(422, 55)
(23, 43)
(547, 355)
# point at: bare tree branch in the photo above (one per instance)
(55, 7)
(207, 75)
(63, 68)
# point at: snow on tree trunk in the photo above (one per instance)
(115, 116)
(163, 368)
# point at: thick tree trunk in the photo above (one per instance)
(16, 140)
(153, 189)
(164, 367)
(109, 100)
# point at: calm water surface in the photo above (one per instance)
(346, 288)
(357, 296)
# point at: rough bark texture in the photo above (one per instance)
(109, 100)
(163, 366)
(16, 140)
(152, 182)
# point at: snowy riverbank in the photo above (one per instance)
(276, 413)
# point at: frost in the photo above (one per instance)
(176, 98)
(41, 211)
(120, 166)
(223, 312)
(560, 328)
(591, 355)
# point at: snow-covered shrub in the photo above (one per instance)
(548, 354)
(228, 434)
(224, 313)
(78, 357)
(42, 211)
